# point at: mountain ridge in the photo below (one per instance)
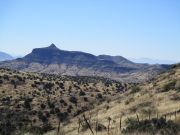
(53, 60)
(5, 56)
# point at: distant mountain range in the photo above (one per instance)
(52, 60)
(152, 61)
(4, 56)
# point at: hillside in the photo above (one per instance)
(52, 60)
(157, 100)
(4, 56)
(40, 103)
(33, 102)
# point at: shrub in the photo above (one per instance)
(43, 106)
(13, 82)
(62, 101)
(62, 116)
(27, 103)
(20, 78)
(56, 110)
(6, 99)
(42, 117)
(1, 81)
(73, 99)
(69, 109)
(177, 86)
(131, 99)
(50, 103)
(82, 93)
(37, 130)
(6, 77)
(153, 126)
(48, 86)
(99, 96)
(100, 127)
(135, 89)
(85, 99)
(52, 111)
(33, 85)
(169, 86)
(7, 128)
(61, 85)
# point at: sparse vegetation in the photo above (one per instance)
(169, 86)
(46, 99)
(154, 126)
(40, 102)
(135, 89)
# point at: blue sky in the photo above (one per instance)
(131, 28)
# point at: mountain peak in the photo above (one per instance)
(52, 46)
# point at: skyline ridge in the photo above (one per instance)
(135, 60)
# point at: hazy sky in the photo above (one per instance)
(131, 28)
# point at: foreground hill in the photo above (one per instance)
(52, 60)
(4, 56)
(37, 102)
(40, 103)
(145, 109)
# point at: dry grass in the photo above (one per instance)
(160, 101)
(114, 105)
